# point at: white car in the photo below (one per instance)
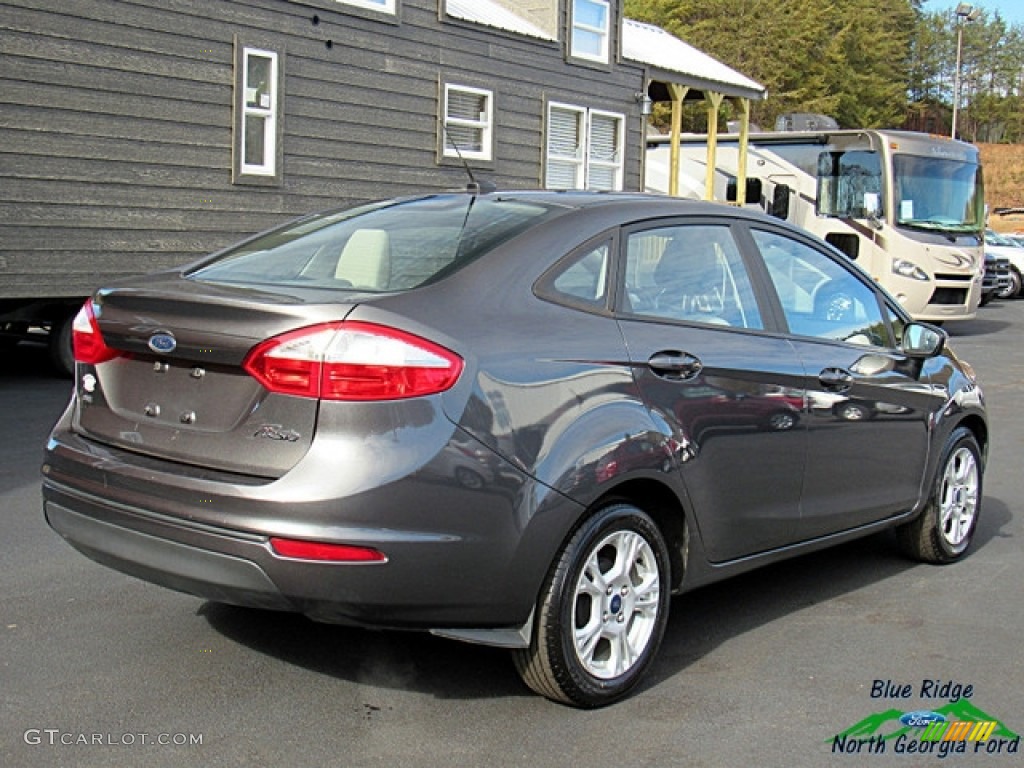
(1002, 246)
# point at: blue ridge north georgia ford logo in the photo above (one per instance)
(163, 343)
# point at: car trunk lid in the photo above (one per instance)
(177, 389)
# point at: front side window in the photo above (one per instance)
(819, 297)
(591, 22)
(692, 273)
(584, 148)
(467, 115)
(257, 141)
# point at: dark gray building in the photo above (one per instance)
(137, 134)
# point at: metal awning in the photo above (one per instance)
(677, 71)
(493, 14)
(673, 60)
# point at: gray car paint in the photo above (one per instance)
(548, 395)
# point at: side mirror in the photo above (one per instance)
(921, 340)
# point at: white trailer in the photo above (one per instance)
(908, 207)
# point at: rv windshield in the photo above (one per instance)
(936, 193)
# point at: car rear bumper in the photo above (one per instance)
(186, 568)
(455, 556)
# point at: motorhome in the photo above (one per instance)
(907, 207)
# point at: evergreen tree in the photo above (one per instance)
(868, 63)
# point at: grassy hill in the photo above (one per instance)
(1004, 183)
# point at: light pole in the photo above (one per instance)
(964, 13)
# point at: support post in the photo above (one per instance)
(714, 101)
(678, 93)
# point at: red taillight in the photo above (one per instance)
(86, 339)
(318, 550)
(353, 361)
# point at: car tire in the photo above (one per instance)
(850, 411)
(1011, 291)
(602, 611)
(944, 529)
(59, 346)
(781, 421)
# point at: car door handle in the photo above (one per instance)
(677, 366)
(835, 379)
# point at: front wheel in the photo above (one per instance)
(1012, 288)
(943, 531)
(602, 612)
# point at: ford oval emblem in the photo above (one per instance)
(921, 718)
(162, 343)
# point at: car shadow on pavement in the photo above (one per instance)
(700, 622)
(408, 661)
(706, 618)
(986, 323)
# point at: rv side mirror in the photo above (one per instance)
(921, 340)
(780, 201)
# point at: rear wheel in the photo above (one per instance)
(943, 531)
(62, 356)
(602, 612)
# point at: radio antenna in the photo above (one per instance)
(474, 187)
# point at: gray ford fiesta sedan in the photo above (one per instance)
(525, 419)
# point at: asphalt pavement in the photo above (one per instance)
(99, 669)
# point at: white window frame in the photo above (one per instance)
(603, 32)
(578, 158)
(617, 163)
(267, 110)
(484, 124)
(582, 159)
(384, 6)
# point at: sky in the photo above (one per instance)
(1012, 11)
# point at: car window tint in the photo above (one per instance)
(897, 324)
(583, 278)
(383, 247)
(689, 272)
(819, 296)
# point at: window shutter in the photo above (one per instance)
(565, 148)
(605, 154)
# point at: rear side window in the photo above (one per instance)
(385, 247)
(580, 279)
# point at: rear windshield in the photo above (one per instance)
(390, 246)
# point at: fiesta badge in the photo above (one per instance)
(162, 343)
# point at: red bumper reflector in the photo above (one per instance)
(331, 553)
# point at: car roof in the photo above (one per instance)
(641, 204)
(593, 199)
